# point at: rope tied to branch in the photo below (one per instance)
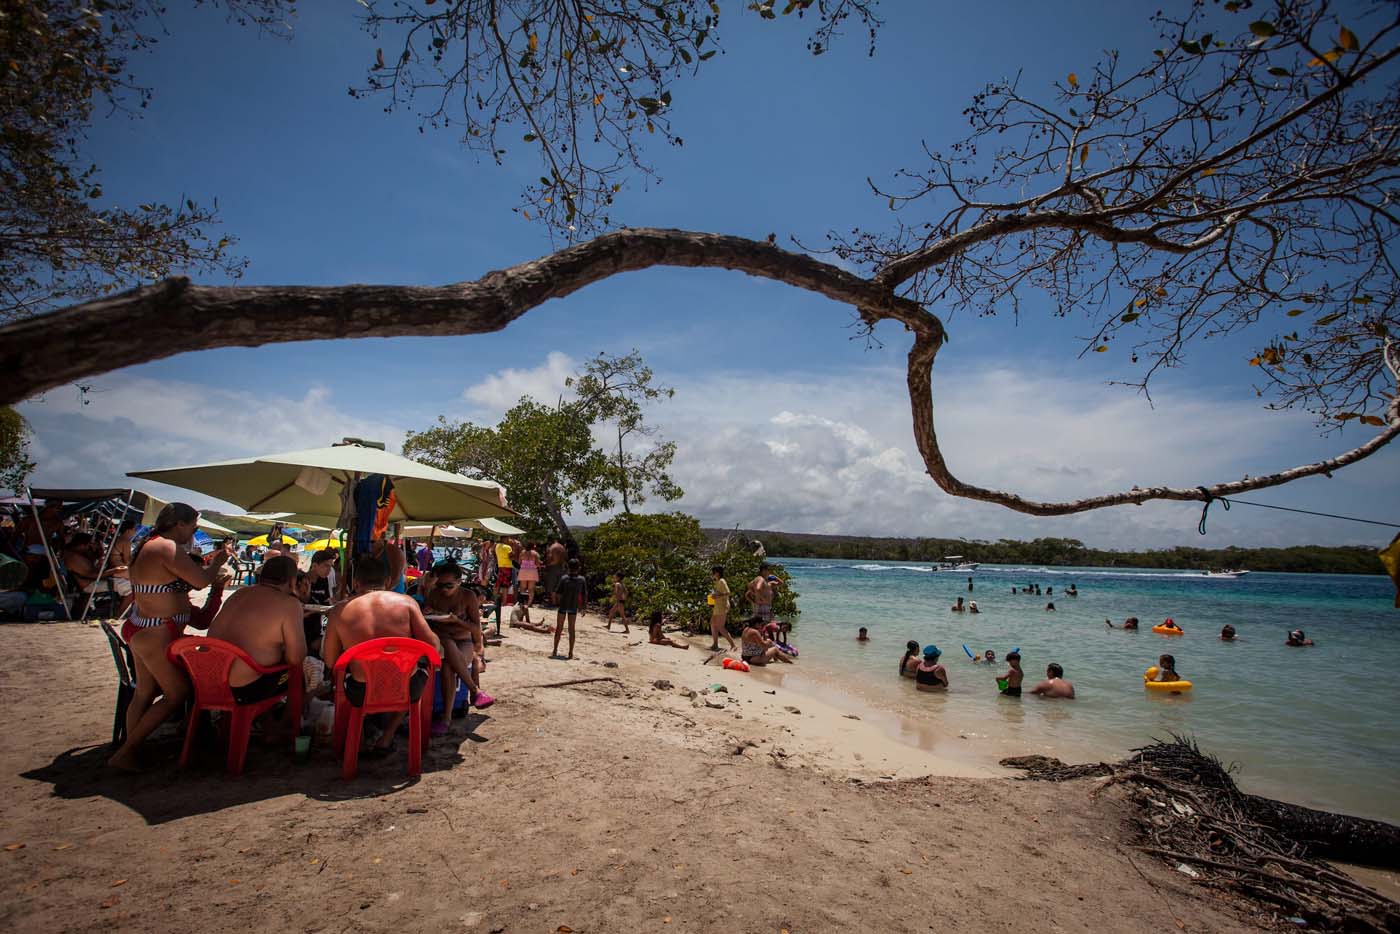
(1205, 510)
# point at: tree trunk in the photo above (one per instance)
(551, 506)
(622, 473)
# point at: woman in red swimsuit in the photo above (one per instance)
(162, 574)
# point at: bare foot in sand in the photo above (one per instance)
(126, 762)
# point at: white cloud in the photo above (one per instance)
(544, 383)
(836, 455)
(139, 423)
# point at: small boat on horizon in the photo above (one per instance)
(1226, 575)
(955, 564)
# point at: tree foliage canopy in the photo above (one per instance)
(60, 241)
(546, 456)
(15, 465)
(666, 560)
(580, 85)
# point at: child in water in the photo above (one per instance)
(1297, 638)
(1166, 669)
(1227, 633)
(1013, 676)
(863, 635)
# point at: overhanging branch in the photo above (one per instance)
(176, 316)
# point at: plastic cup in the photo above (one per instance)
(303, 746)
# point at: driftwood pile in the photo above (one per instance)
(1191, 814)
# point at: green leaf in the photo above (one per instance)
(1327, 319)
(707, 56)
(1294, 312)
(1193, 48)
(686, 56)
(529, 137)
(1278, 72)
(1130, 317)
(1362, 300)
(1263, 28)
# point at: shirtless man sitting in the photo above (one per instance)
(1054, 684)
(376, 613)
(464, 647)
(265, 621)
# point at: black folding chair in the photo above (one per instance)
(126, 680)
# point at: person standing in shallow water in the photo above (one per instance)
(1013, 676)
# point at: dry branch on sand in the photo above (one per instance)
(1190, 813)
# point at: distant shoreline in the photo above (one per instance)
(1064, 552)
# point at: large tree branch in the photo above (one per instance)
(175, 317)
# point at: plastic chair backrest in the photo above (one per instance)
(208, 662)
(126, 668)
(387, 664)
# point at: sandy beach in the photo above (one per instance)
(609, 805)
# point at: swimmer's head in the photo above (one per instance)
(1166, 661)
(863, 630)
(1014, 657)
(1227, 631)
(1053, 670)
(990, 655)
(911, 647)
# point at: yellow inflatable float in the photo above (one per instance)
(1167, 687)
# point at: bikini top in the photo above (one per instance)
(175, 586)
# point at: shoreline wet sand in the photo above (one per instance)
(606, 805)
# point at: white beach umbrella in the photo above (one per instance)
(309, 483)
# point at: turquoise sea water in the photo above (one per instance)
(1318, 726)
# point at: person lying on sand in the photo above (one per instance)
(520, 619)
(372, 614)
(909, 664)
(756, 649)
(930, 675)
(1054, 684)
(655, 636)
(1013, 676)
(464, 646)
(265, 621)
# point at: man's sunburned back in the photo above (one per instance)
(258, 619)
(375, 615)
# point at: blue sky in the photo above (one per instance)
(782, 421)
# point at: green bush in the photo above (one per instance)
(665, 561)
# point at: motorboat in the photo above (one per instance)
(954, 564)
(1226, 575)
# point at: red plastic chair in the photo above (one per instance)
(208, 662)
(388, 664)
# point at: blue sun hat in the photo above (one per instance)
(931, 651)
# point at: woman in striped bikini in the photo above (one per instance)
(162, 575)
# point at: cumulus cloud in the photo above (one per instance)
(545, 383)
(142, 422)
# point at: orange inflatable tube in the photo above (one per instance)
(734, 665)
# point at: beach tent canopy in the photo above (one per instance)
(494, 526)
(436, 531)
(309, 483)
(154, 505)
